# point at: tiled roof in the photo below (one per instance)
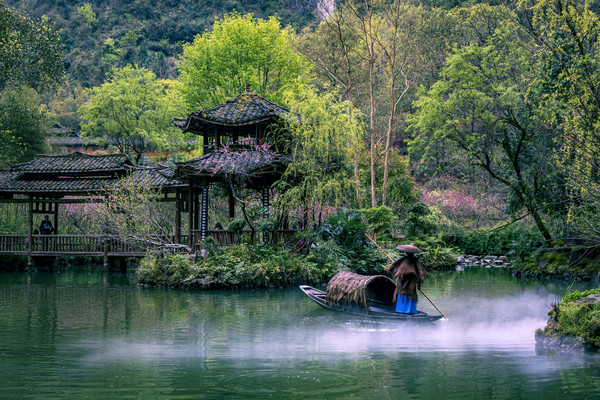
(247, 108)
(64, 175)
(74, 163)
(219, 163)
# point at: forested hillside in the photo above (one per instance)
(100, 34)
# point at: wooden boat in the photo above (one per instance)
(367, 296)
(374, 310)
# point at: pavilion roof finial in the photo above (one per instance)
(247, 87)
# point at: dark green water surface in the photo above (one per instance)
(84, 333)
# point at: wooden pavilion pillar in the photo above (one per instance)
(30, 232)
(266, 204)
(177, 216)
(204, 218)
(191, 215)
(197, 210)
(55, 207)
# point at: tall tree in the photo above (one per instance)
(484, 107)
(241, 49)
(30, 60)
(370, 49)
(133, 111)
(566, 37)
(23, 123)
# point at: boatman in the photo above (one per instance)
(410, 274)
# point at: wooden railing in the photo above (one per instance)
(76, 245)
(94, 245)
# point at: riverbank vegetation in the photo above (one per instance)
(460, 128)
(573, 323)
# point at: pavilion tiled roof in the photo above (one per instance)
(217, 164)
(246, 109)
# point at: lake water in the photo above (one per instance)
(85, 333)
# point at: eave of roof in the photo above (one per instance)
(246, 109)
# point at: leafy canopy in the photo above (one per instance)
(133, 111)
(484, 108)
(240, 49)
(23, 125)
(30, 52)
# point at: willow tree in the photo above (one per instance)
(240, 50)
(325, 132)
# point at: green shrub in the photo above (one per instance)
(420, 221)
(576, 295)
(240, 266)
(438, 258)
(580, 320)
(513, 240)
(347, 230)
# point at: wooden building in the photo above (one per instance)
(244, 146)
(48, 181)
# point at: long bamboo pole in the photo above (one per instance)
(390, 258)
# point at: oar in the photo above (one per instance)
(388, 256)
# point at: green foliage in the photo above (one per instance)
(513, 239)
(576, 295)
(23, 124)
(30, 51)
(347, 230)
(133, 111)
(580, 320)
(380, 219)
(88, 14)
(420, 221)
(241, 266)
(240, 49)
(438, 257)
(564, 261)
(483, 109)
(324, 134)
(159, 29)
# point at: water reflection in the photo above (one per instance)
(77, 332)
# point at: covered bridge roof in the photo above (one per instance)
(77, 162)
(79, 173)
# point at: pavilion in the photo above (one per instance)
(244, 146)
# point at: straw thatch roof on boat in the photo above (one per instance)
(350, 289)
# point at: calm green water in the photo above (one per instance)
(84, 333)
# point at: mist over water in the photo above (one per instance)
(64, 336)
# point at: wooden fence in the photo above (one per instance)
(103, 245)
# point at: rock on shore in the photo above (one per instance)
(466, 261)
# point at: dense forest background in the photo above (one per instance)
(466, 120)
(98, 35)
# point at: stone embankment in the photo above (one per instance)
(552, 338)
(465, 261)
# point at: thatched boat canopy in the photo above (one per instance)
(350, 289)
